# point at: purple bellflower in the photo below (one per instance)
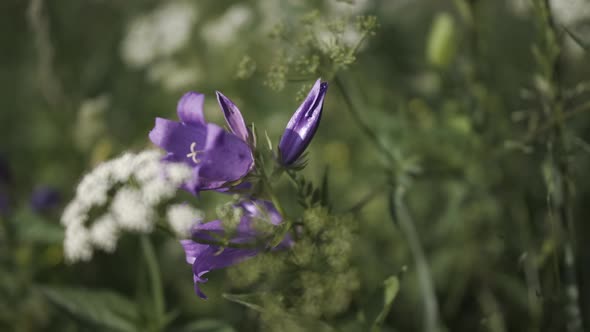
(205, 258)
(44, 198)
(216, 156)
(303, 125)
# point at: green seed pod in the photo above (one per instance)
(441, 46)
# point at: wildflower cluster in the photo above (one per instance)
(121, 195)
(318, 270)
(229, 161)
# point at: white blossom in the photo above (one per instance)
(182, 217)
(158, 34)
(226, 28)
(104, 233)
(77, 245)
(570, 12)
(139, 183)
(131, 212)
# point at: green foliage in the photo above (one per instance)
(467, 121)
(96, 307)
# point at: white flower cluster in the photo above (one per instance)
(138, 183)
(158, 34)
(227, 27)
(570, 12)
(182, 217)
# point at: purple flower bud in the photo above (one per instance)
(233, 117)
(303, 125)
(44, 198)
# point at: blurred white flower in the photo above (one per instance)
(77, 245)
(104, 233)
(227, 28)
(570, 12)
(158, 34)
(131, 212)
(90, 123)
(353, 7)
(182, 217)
(139, 183)
(174, 77)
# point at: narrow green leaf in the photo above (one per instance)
(390, 290)
(155, 281)
(96, 307)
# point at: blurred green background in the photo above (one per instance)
(476, 108)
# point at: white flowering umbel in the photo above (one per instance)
(127, 190)
(182, 217)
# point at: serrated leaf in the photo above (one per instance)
(96, 307)
(207, 325)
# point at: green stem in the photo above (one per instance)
(431, 311)
(365, 128)
(155, 281)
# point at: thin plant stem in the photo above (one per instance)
(431, 310)
(155, 281)
(361, 123)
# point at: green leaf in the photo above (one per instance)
(96, 307)
(155, 281)
(34, 228)
(390, 290)
(207, 325)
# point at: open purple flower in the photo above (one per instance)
(216, 156)
(205, 258)
(303, 125)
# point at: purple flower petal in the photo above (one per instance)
(190, 108)
(233, 117)
(227, 158)
(205, 258)
(182, 140)
(303, 124)
(213, 258)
